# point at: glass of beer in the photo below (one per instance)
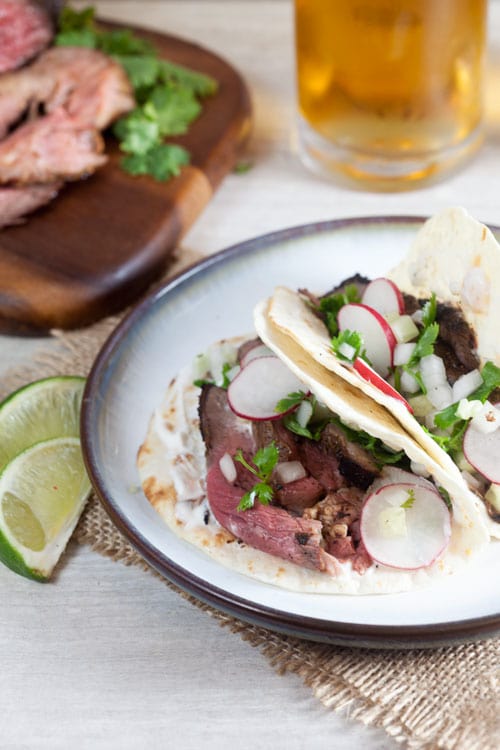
(389, 91)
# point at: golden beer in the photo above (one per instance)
(389, 90)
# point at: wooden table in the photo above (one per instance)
(107, 656)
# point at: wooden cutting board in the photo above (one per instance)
(104, 239)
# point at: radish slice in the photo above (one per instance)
(261, 350)
(369, 374)
(407, 538)
(378, 338)
(384, 297)
(258, 387)
(482, 451)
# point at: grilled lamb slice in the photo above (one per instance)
(49, 149)
(16, 202)
(25, 30)
(222, 431)
(269, 430)
(89, 85)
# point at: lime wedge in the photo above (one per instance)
(43, 410)
(42, 493)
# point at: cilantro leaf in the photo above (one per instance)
(173, 109)
(429, 311)
(226, 367)
(124, 42)
(331, 305)
(142, 70)
(161, 161)
(352, 339)
(293, 399)
(198, 83)
(76, 38)
(381, 453)
(264, 462)
(76, 20)
(425, 343)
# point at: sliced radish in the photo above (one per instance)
(258, 387)
(261, 350)
(482, 451)
(384, 297)
(369, 374)
(405, 537)
(378, 338)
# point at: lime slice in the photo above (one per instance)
(42, 493)
(42, 410)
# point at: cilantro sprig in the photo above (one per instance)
(224, 383)
(263, 462)
(329, 306)
(447, 419)
(424, 345)
(408, 503)
(353, 341)
(167, 95)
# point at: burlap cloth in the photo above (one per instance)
(446, 698)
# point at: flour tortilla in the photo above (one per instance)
(453, 255)
(172, 469)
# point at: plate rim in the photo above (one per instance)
(352, 634)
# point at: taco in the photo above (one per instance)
(422, 342)
(277, 468)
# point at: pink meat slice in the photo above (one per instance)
(89, 85)
(16, 202)
(267, 527)
(25, 30)
(48, 149)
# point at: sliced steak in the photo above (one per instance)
(298, 495)
(456, 332)
(246, 347)
(25, 30)
(325, 469)
(359, 281)
(48, 149)
(222, 431)
(269, 430)
(15, 203)
(267, 528)
(89, 85)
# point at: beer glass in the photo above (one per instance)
(389, 91)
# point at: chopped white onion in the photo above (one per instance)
(466, 384)
(404, 329)
(488, 419)
(289, 471)
(402, 353)
(467, 409)
(440, 395)
(418, 316)
(227, 467)
(433, 371)
(304, 413)
(408, 383)
(347, 351)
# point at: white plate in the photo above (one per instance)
(214, 300)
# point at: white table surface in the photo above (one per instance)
(107, 656)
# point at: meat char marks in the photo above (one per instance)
(51, 114)
(25, 30)
(295, 526)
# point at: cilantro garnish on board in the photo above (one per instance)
(263, 462)
(167, 95)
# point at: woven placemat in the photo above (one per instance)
(446, 698)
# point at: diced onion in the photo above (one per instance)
(404, 329)
(418, 316)
(227, 467)
(488, 419)
(402, 353)
(304, 413)
(433, 371)
(440, 395)
(347, 351)
(408, 383)
(289, 471)
(466, 384)
(468, 409)
(421, 406)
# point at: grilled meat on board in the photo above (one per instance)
(25, 30)
(16, 202)
(295, 526)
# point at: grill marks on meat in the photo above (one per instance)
(25, 30)
(78, 92)
(296, 529)
(16, 202)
